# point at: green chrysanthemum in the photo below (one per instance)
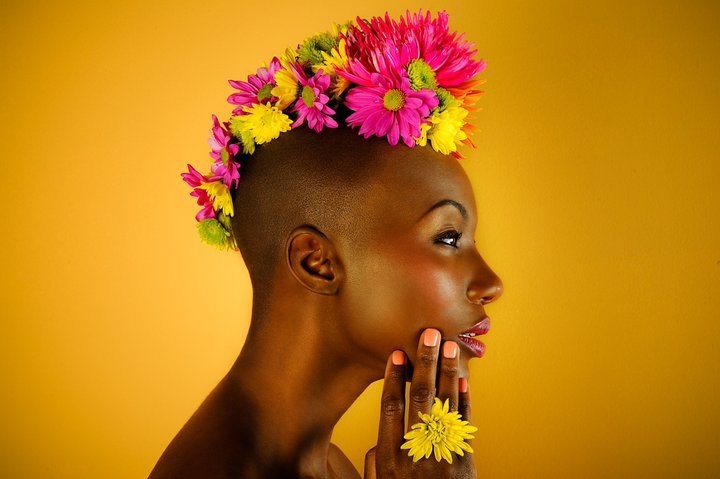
(311, 50)
(212, 232)
(440, 433)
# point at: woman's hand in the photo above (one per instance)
(387, 460)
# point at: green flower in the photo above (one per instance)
(212, 232)
(311, 50)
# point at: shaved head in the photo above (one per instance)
(301, 179)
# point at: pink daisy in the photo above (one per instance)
(417, 36)
(257, 89)
(312, 104)
(224, 152)
(386, 105)
(195, 179)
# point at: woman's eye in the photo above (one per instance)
(449, 238)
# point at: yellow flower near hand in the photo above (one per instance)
(440, 433)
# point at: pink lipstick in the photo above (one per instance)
(470, 337)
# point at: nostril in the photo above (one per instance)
(493, 294)
(485, 292)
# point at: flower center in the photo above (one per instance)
(437, 431)
(308, 96)
(421, 75)
(265, 92)
(446, 99)
(394, 99)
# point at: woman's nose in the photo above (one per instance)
(485, 286)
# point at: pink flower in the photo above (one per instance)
(224, 152)
(256, 89)
(385, 104)
(195, 179)
(312, 104)
(416, 36)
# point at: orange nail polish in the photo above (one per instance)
(431, 337)
(450, 349)
(463, 385)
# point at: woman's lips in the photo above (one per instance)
(470, 337)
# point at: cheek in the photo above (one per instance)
(399, 297)
(429, 292)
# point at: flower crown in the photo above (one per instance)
(410, 80)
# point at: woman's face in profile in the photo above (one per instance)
(417, 266)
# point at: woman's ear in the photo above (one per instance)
(314, 260)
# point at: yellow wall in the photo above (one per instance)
(597, 176)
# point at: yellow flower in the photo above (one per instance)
(286, 83)
(446, 132)
(422, 139)
(219, 195)
(336, 59)
(441, 432)
(260, 124)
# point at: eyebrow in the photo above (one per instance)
(446, 202)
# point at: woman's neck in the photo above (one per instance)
(297, 389)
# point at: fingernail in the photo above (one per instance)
(450, 349)
(463, 385)
(431, 337)
(398, 358)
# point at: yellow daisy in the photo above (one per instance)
(260, 124)
(445, 130)
(337, 59)
(440, 433)
(286, 87)
(219, 195)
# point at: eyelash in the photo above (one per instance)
(450, 238)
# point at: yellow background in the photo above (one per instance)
(597, 177)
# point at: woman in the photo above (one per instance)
(361, 257)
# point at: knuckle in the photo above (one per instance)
(449, 370)
(392, 406)
(426, 358)
(396, 375)
(422, 395)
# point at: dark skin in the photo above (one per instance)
(375, 246)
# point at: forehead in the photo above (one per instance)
(410, 181)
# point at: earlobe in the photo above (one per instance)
(314, 261)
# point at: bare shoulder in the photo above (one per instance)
(340, 465)
(209, 446)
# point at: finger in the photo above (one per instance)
(422, 388)
(370, 472)
(464, 408)
(448, 380)
(392, 412)
(464, 400)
